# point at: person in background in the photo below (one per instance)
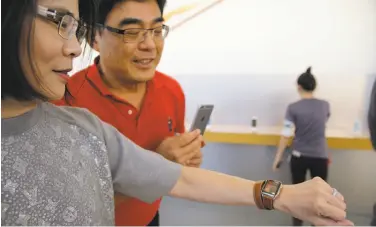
(61, 165)
(372, 129)
(124, 89)
(308, 116)
(372, 116)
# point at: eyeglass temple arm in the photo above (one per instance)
(46, 12)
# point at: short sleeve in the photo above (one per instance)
(288, 123)
(137, 172)
(289, 115)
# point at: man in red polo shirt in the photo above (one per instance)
(124, 89)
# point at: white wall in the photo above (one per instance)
(244, 56)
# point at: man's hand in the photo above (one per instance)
(195, 161)
(184, 148)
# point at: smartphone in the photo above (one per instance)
(202, 118)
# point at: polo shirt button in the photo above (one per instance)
(129, 112)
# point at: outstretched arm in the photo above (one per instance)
(312, 201)
(213, 187)
(148, 176)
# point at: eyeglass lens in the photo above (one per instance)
(69, 27)
(137, 34)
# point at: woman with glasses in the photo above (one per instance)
(61, 165)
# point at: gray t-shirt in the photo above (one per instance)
(309, 117)
(61, 166)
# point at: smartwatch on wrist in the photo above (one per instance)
(270, 189)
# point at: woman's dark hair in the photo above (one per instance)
(372, 116)
(18, 15)
(307, 81)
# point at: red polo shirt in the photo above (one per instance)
(162, 113)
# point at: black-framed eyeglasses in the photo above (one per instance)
(136, 35)
(67, 25)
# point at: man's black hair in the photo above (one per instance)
(307, 81)
(107, 5)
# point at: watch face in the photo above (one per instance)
(271, 187)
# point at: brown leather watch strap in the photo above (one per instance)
(257, 194)
(270, 190)
(267, 202)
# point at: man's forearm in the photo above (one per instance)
(212, 187)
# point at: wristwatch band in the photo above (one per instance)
(267, 202)
(267, 198)
(257, 194)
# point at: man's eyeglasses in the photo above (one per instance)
(67, 25)
(136, 35)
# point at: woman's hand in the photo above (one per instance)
(313, 201)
